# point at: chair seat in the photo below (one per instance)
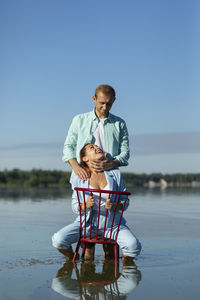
(98, 240)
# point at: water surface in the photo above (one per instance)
(166, 222)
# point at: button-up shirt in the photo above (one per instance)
(81, 132)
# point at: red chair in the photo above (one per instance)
(96, 238)
(101, 285)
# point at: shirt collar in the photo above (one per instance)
(94, 116)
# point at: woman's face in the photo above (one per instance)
(93, 152)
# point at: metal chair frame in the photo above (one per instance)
(99, 239)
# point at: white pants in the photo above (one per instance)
(129, 244)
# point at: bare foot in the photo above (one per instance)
(89, 253)
(128, 261)
(108, 251)
(68, 253)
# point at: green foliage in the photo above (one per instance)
(34, 178)
(55, 178)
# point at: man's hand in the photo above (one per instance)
(105, 164)
(81, 173)
(78, 170)
(108, 204)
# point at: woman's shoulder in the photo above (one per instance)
(77, 182)
(114, 173)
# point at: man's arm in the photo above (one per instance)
(111, 164)
(69, 153)
(122, 158)
(71, 141)
(124, 151)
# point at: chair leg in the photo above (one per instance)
(83, 250)
(116, 248)
(116, 260)
(76, 251)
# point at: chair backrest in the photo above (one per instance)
(100, 192)
(97, 290)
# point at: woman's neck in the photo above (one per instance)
(96, 174)
(98, 180)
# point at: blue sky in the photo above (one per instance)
(54, 53)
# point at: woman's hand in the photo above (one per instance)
(90, 201)
(108, 204)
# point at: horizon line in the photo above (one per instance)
(140, 144)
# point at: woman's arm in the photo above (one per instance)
(77, 182)
(121, 187)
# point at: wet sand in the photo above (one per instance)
(166, 223)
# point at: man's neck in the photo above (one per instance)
(100, 116)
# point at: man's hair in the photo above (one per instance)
(106, 90)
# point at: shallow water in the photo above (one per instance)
(166, 222)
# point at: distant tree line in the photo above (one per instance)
(176, 179)
(34, 178)
(55, 178)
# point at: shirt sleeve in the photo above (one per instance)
(75, 203)
(124, 151)
(75, 182)
(69, 150)
(120, 186)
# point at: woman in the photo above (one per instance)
(107, 180)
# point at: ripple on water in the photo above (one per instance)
(180, 252)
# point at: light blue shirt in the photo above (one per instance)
(81, 132)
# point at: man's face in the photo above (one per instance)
(103, 104)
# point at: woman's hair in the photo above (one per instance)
(82, 163)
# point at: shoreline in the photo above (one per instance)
(54, 178)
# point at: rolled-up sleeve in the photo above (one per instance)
(75, 203)
(124, 151)
(69, 150)
(122, 198)
(75, 182)
(120, 186)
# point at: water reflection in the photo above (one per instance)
(175, 191)
(35, 194)
(39, 194)
(90, 280)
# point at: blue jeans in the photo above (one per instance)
(129, 244)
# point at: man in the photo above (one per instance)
(107, 131)
(101, 128)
